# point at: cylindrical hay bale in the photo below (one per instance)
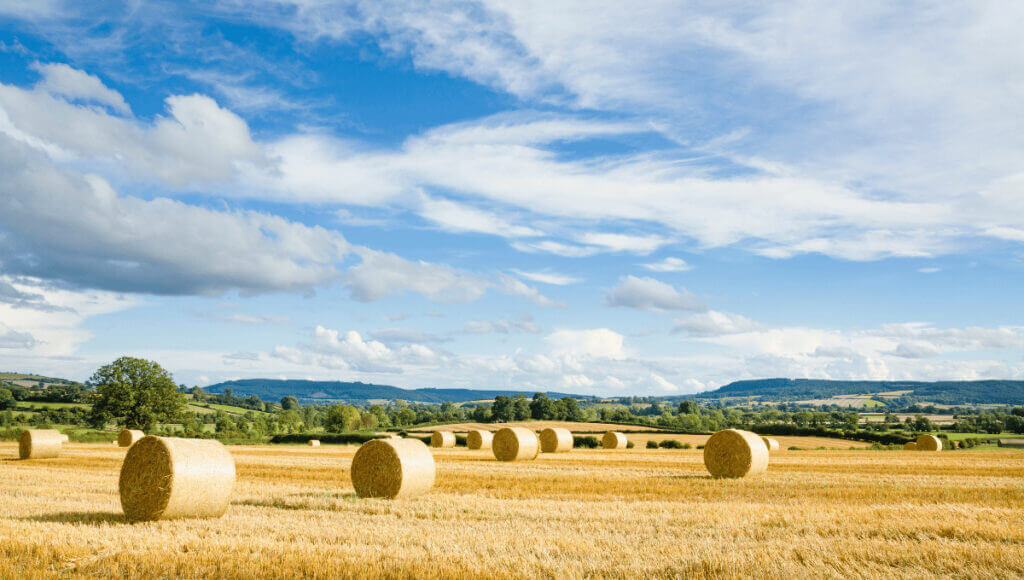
(39, 443)
(929, 443)
(314, 443)
(128, 437)
(394, 436)
(555, 440)
(911, 446)
(771, 444)
(613, 440)
(165, 478)
(479, 439)
(515, 443)
(735, 453)
(391, 468)
(64, 438)
(442, 439)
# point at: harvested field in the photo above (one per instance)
(294, 514)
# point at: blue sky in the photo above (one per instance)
(596, 197)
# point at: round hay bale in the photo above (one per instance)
(391, 468)
(554, 440)
(479, 439)
(911, 446)
(165, 478)
(314, 443)
(929, 443)
(735, 453)
(771, 444)
(515, 443)
(394, 436)
(39, 443)
(128, 437)
(64, 438)
(614, 440)
(442, 439)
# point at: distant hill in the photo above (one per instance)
(316, 392)
(942, 392)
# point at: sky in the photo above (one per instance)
(597, 197)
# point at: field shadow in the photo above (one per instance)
(83, 518)
(298, 501)
(686, 476)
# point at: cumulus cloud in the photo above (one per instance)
(60, 224)
(650, 294)
(589, 343)
(381, 274)
(75, 85)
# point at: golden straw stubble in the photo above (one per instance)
(515, 443)
(556, 440)
(929, 443)
(393, 468)
(40, 443)
(735, 453)
(479, 439)
(165, 478)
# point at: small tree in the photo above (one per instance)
(6, 399)
(136, 393)
(289, 403)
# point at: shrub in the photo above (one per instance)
(670, 444)
(630, 445)
(700, 447)
(795, 448)
(588, 442)
(687, 446)
(652, 444)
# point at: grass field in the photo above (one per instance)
(586, 513)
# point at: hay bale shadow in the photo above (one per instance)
(82, 518)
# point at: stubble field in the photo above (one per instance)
(586, 513)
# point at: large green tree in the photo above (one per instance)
(136, 393)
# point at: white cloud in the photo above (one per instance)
(456, 217)
(624, 242)
(557, 248)
(546, 277)
(513, 287)
(669, 264)
(381, 274)
(524, 324)
(715, 323)
(650, 294)
(51, 323)
(73, 84)
(12, 339)
(198, 142)
(61, 225)
(591, 343)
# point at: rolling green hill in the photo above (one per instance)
(942, 392)
(356, 392)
